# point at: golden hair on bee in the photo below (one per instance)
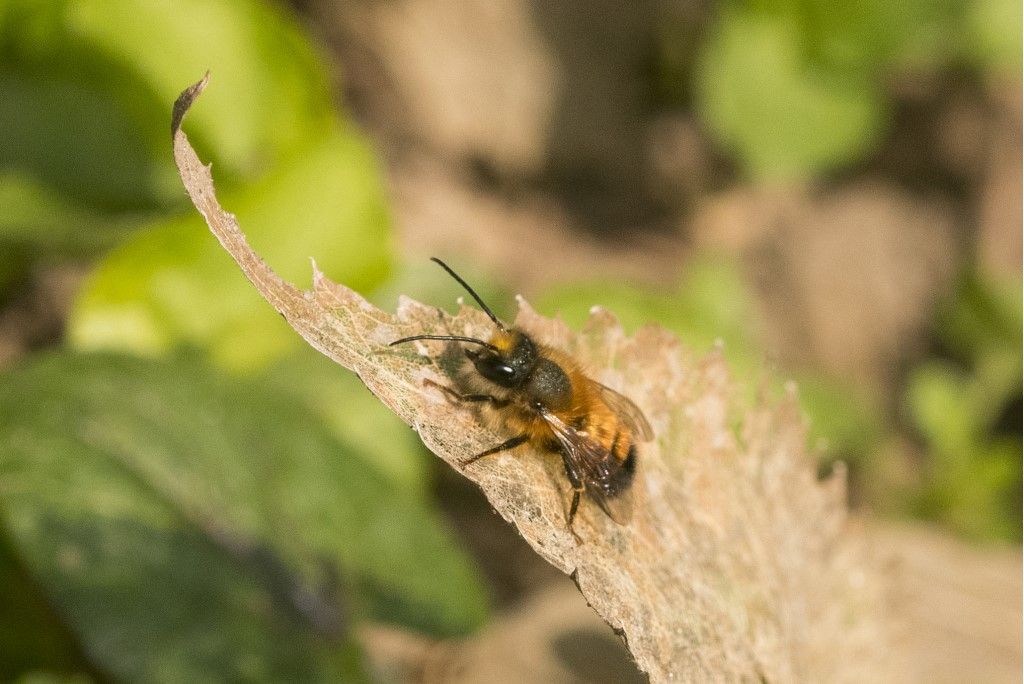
(541, 397)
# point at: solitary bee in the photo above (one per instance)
(542, 397)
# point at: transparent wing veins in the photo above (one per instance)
(627, 411)
(594, 464)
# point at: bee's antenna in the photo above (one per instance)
(453, 338)
(464, 284)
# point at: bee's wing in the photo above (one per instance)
(619, 507)
(595, 466)
(627, 411)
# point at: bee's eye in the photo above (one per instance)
(496, 370)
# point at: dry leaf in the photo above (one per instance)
(737, 564)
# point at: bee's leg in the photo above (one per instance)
(504, 446)
(457, 398)
(572, 513)
(574, 505)
(476, 398)
(577, 490)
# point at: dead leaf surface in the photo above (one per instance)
(737, 564)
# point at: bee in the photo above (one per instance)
(542, 397)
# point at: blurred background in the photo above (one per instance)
(188, 491)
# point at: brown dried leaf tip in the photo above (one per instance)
(737, 565)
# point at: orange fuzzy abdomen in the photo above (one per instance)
(588, 413)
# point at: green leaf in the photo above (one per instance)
(32, 636)
(42, 137)
(356, 417)
(711, 304)
(173, 285)
(994, 30)
(424, 280)
(273, 94)
(982, 315)
(633, 306)
(983, 496)
(981, 325)
(715, 303)
(189, 525)
(839, 414)
(783, 116)
(936, 396)
(973, 477)
(38, 217)
(85, 94)
(40, 677)
(866, 37)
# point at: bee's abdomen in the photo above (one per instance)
(620, 445)
(622, 477)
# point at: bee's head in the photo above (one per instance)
(508, 360)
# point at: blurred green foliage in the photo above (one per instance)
(376, 436)
(32, 634)
(172, 283)
(188, 524)
(43, 677)
(797, 88)
(973, 480)
(164, 518)
(782, 115)
(84, 93)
